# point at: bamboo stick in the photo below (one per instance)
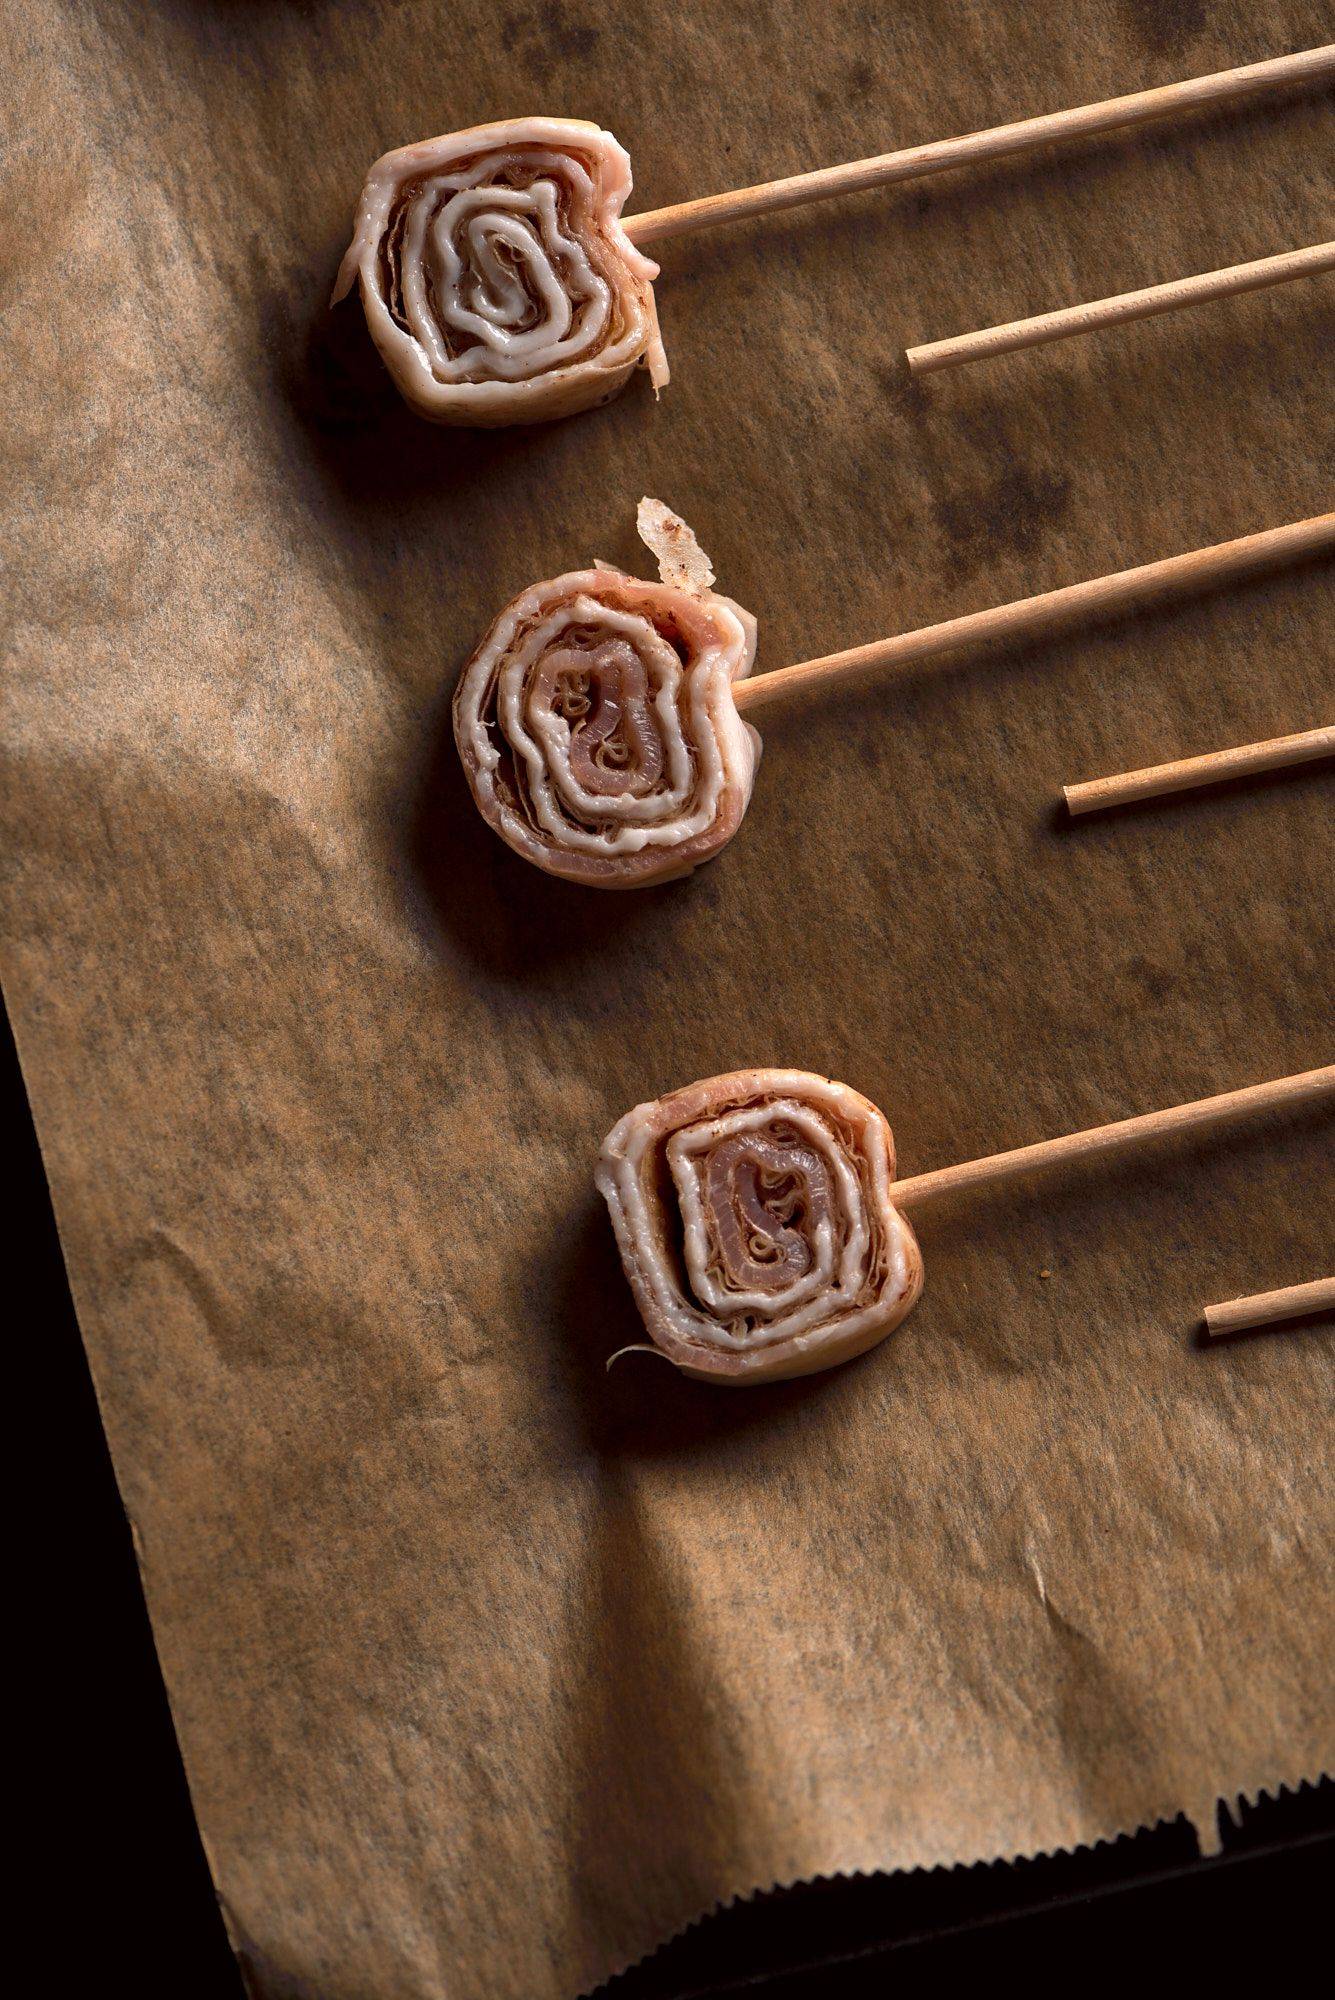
(1313, 1086)
(1096, 794)
(1000, 142)
(1147, 304)
(1034, 617)
(1266, 1308)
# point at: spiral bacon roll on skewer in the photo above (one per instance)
(596, 722)
(755, 1218)
(497, 280)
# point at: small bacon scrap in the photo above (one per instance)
(497, 280)
(596, 722)
(755, 1218)
(681, 560)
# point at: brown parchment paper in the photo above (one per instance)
(491, 1670)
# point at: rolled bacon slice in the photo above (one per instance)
(497, 280)
(755, 1218)
(596, 722)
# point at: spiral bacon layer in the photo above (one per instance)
(755, 1218)
(498, 282)
(597, 727)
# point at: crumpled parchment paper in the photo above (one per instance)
(491, 1670)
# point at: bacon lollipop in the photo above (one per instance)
(498, 282)
(596, 721)
(754, 1217)
(502, 286)
(761, 1226)
(599, 720)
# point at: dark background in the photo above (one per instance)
(118, 1855)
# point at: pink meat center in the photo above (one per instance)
(766, 1194)
(603, 693)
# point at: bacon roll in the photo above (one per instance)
(755, 1218)
(596, 722)
(497, 280)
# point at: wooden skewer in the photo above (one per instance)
(1265, 1308)
(1276, 755)
(1145, 304)
(1001, 142)
(1314, 1086)
(1032, 617)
